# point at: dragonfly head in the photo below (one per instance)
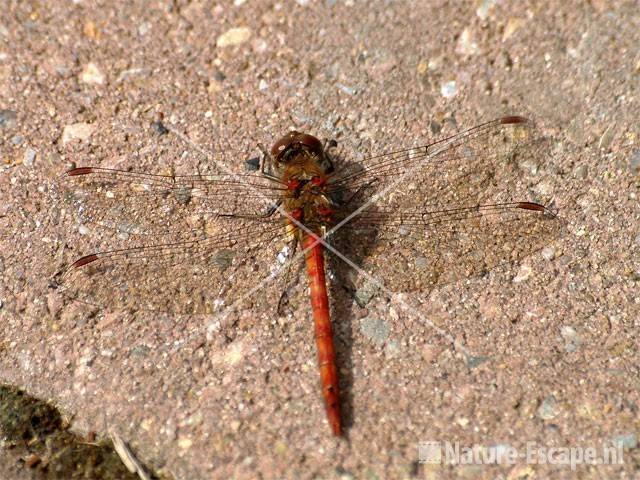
(295, 142)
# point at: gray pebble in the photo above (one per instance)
(634, 162)
(375, 329)
(17, 140)
(8, 119)
(29, 157)
(365, 294)
(548, 408)
(252, 164)
(581, 172)
(473, 362)
(571, 339)
(629, 441)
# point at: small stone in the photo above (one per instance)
(8, 119)
(473, 362)
(634, 162)
(581, 172)
(484, 8)
(571, 338)
(233, 36)
(263, 85)
(466, 44)
(90, 30)
(159, 128)
(548, 253)
(144, 28)
(252, 164)
(140, 350)
(185, 442)
(29, 157)
(523, 274)
(629, 441)
(77, 131)
(223, 259)
(449, 89)
(375, 329)
(512, 26)
(17, 140)
(346, 89)
(366, 293)
(548, 408)
(92, 75)
(606, 137)
(462, 421)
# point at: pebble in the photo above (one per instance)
(92, 75)
(548, 253)
(512, 26)
(263, 85)
(634, 162)
(449, 89)
(606, 137)
(223, 259)
(29, 157)
(484, 8)
(571, 339)
(17, 140)
(629, 441)
(346, 89)
(548, 408)
(8, 119)
(365, 294)
(524, 273)
(233, 36)
(375, 329)
(581, 172)
(466, 44)
(185, 442)
(77, 131)
(159, 128)
(473, 362)
(252, 164)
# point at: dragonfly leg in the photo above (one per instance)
(359, 190)
(266, 158)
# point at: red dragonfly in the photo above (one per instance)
(431, 214)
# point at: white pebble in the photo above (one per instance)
(77, 131)
(92, 75)
(233, 36)
(449, 89)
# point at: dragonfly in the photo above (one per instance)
(423, 216)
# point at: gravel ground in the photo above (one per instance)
(545, 351)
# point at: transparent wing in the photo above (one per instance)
(452, 209)
(142, 203)
(197, 276)
(187, 244)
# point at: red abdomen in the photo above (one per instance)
(323, 332)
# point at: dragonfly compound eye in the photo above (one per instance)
(293, 142)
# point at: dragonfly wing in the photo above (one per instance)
(202, 275)
(166, 206)
(417, 251)
(455, 209)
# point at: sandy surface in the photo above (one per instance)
(545, 351)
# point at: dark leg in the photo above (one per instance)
(266, 157)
